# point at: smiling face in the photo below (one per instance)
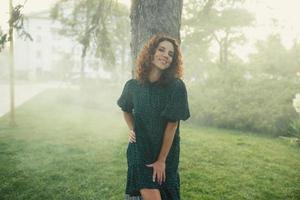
(163, 56)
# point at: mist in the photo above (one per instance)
(62, 135)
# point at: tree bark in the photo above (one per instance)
(151, 17)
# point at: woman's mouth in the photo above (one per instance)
(163, 61)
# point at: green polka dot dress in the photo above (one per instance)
(153, 106)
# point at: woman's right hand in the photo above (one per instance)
(132, 136)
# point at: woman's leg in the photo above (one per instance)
(150, 194)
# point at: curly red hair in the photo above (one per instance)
(145, 58)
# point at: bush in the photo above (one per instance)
(295, 128)
(260, 104)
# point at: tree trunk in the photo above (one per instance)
(151, 17)
(82, 67)
(11, 67)
(85, 42)
(221, 56)
(123, 54)
(225, 49)
(221, 48)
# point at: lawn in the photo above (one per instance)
(68, 146)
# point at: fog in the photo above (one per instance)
(241, 70)
(244, 52)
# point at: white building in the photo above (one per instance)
(49, 50)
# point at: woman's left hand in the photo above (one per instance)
(159, 173)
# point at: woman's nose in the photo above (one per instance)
(166, 55)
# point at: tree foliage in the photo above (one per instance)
(17, 21)
(227, 92)
(210, 22)
(274, 59)
(3, 39)
(93, 24)
(86, 21)
(260, 104)
(256, 96)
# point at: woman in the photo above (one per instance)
(153, 104)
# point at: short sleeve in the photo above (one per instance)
(125, 100)
(177, 108)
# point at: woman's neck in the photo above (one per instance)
(155, 74)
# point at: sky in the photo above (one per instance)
(286, 13)
(272, 17)
(276, 16)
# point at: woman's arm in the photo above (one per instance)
(129, 120)
(167, 141)
(130, 123)
(160, 165)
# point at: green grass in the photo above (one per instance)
(68, 146)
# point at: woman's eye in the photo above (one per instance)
(161, 50)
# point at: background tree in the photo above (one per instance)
(15, 22)
(120, 38)
(86, 21)
(208, 23)
(151, 17)
(100, 27)
(3, 39)
(225, 27)
(274, 59)
(227, 92)
(11, 64)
